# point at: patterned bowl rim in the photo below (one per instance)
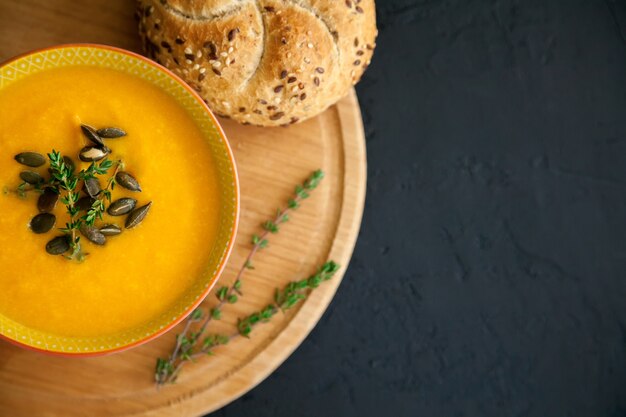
(231, 242)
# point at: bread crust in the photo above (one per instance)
(262, 62)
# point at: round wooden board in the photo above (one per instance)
(270, 162)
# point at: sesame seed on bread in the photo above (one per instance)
(262, 62)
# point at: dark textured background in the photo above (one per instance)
(488, 279)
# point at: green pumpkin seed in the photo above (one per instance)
(136, 216)
(110, 132)
(58, 246)
(84, 203)
(93, 153)
(92, 187)
(110, 230)
(122, 206)
(31, 177)
(93, 234)
(91, 134)
(127, 181)
(31, 159)
(42, 222)
(47, 201)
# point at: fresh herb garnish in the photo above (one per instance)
(65, 181)
(287, 298)
(193, 344)
(98, 207)
(23, 189)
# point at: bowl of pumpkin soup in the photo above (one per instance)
(119, 200)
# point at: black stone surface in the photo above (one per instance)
(488, 279)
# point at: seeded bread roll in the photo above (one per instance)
(262, 62)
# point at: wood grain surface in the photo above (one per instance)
(270, 161)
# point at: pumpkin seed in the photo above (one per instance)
(84, 203)
(127, 181)
(42, 222)
(110, 230)
(92, 187)
(122, 206)
(58, 245)
(93, 234)
(93, 153)
(136, 216)
(69, 162)
(91, 134)
(31, 159)
(31, 177)
(110, 132)
(47, 201)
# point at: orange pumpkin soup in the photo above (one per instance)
(138, 274)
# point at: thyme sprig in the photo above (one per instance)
(63, 176)
(287, 298)
(190, 344)
(96, 211)
(23, 189)
(167, 371)
(65, 181)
